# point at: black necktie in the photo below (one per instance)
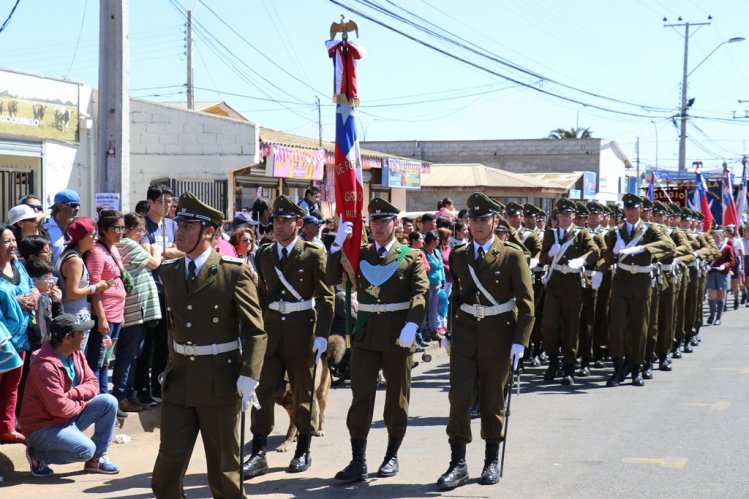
(382, 252)
(191, 274)
(284, 257)
(481, 255)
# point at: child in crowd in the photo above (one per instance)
(50, 300)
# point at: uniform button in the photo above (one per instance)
(189, 324)
(169, 308)
(283, 318)
(215, 320)
(192, 358)
(301, 280)
(229, 361)
(215, 307)
(312, 320)
(283, 291)
(189, 307)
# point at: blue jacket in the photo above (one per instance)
(11, 314)
(436, 272)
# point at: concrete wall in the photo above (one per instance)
(183, 144)
(425, 200)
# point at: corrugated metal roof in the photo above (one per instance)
(478, 175)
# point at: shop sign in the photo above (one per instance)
(401, 174)
(42, 108)
(288, 162)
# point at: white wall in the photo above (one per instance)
(611, 176)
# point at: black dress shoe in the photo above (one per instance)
(356, 471)
(457, 473)
(255, 466)
(647, 371)
(551, 371)
(688, 347)
(583, 372)
(637, 378)
(598, 364)
(568, 375)
(535, 361)
(676, 354)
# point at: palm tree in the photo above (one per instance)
(572, 133)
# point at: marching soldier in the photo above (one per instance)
(566, 250)
(631, 246)
(597, 221)
(213, 365)
(656, 283)
(298, 312)
(590, 214)
(493, 317)
(531, 216)
(391, 289)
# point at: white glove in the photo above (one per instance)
(516, 353)
(246, 387)
(319, 347)
(596, 280)
(345, 229)
(576, 263)
(554, 250)
(445, 343)
(632, 250)
(533, 263)
(696, 255)
(620, 244)
(408, 335)
(721, 268)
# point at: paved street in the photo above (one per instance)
(682, 435)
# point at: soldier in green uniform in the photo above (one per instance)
(655, 294)
(391, 288)
(533, 236)
(213, 364)
(492, 320)
(298, 312)
(597, 227)
(631, 246)
(672, 271)
(566, 250)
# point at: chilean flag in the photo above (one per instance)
(700, 199)
(730, 216)
(741, 205)
(349, 190)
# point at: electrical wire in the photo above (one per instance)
(78, 40)
(7, 20)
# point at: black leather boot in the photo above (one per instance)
(356, 471)
(457, 473)
(568, 375)
(302, 459)
(256, 465)
(551, 371)
(688, 345)
(675, 352)
(490, 473)
(663, 363)
(614, 380)
(647, 370)
(636, 372)
(584, 367)
(389, 466)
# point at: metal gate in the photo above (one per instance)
(13, 186)
(211, 192)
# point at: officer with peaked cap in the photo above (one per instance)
(598, 229)
(492, 319)
(391, 288)
(298, 312)
(567, 249)
(213, 364)
(631, 246)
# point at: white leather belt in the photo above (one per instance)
(668, 267)
(635, 269)
(287, 307)
(481, 311)
(214, 349)
(566, 269)
(538, 269)
(694, 264)
(384, 307)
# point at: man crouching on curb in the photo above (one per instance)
(62, 399)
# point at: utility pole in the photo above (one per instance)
(637, 151)
(112, 172)
(319, 121)
(190, 89)
(684, 106)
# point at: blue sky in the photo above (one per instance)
(275, 65)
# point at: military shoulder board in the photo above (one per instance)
(513, 245)
(232, 259)
(169, 262)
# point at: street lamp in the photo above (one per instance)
(686, 104)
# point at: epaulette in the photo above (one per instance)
(168, 262)
(513, 245)
(232, 259)
(312, 244)
(263, 246)
(460, 245)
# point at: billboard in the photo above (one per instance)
(40, 108)
(683, 195)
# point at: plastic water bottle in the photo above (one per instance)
(106, 341)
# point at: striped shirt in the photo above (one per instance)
(142, 303)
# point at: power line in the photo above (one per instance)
(78, 40)
(7, 20)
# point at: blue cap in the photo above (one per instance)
(67, 196)
(243, 218)
(309, 219)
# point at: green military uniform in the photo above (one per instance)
(673, 270)
(205, 360)
(586, 334)
(492, 298)
(631, 290)
(384, 309)
(531, 238)
(298, 307)
(564, 291)
(655, 295)
(601, 320)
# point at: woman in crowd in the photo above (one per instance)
(107, 306)
(436, 276)
(141, 308)
(24, 221)
(745, 245)
(445, 248)
(717, 277)
(18, 297)
(261, 214)
(737, 271)
(243, 240)
(33, 247)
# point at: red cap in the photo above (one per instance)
(80, 228)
